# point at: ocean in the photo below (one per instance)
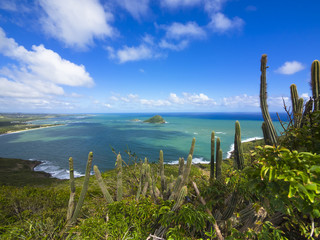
(100, 133)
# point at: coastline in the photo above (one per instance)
(19, 172)
(30, 129)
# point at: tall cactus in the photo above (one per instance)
(71, 204)
(315, 84)
(192, 147)
(181, 166)
(180, 199)
(102, 185)
(219, 163)
(119, 178)
(218, 159)
(163, 178)
(186, 171)
(271, 134)
(238, 153)
(297, 105)
(212, 157)
(84, 190)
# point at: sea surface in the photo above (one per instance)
(100, 133)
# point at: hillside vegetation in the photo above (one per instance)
(269, 189)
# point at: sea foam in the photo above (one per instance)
(246, 140)
(55, 171)
(194, 161)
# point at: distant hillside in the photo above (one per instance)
(155, 119)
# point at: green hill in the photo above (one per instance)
(155, 119)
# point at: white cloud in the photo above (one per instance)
(76, 22)
(241, 101)
(38, 74)
(137, 8)
(198, 99)
(179, 3)
(213, 6)
(127, 54)
(221, 23)
(178, 30)
(155, 103)
(289, 68)
(174, 46)
(305, 96)
(107, 105)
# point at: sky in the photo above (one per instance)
(106, 56)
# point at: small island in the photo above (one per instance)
(155, 119)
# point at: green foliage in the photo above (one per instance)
(286, 181)
(305, 138)
(31, 212)
(187, 222)
(132, 219)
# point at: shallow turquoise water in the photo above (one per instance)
(98, 133)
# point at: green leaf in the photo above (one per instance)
(292, 190)
(315, 168)
(316, 213)
(311, 187)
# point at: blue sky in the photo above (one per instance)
(100, 56)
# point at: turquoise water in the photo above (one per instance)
(98, 133)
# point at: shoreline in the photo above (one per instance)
(19, 172)
(30, 129)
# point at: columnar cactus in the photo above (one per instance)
(180, 199)
(212, 157)
(84, 189)
(238, 153)
(218, 159)
(186, 171)
(231, 206)
(119, 178)
(192, 147)
(219, 163)
(71, 204)
(102, 185)
(297, 106)
(271, 134)
(163, 178)
(315, 84)
(181, 166)
(176, 186)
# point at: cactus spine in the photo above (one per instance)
(187, 170)
(212, 157)
(238, 153)
(163, 178)
(182, 194)
(119, 178)
(84, 189)
(181, 166)
(271, 134)
(176, 187)
(315, 84)
(71, 204)
(102, 185)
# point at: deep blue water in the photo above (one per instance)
(101, 132)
